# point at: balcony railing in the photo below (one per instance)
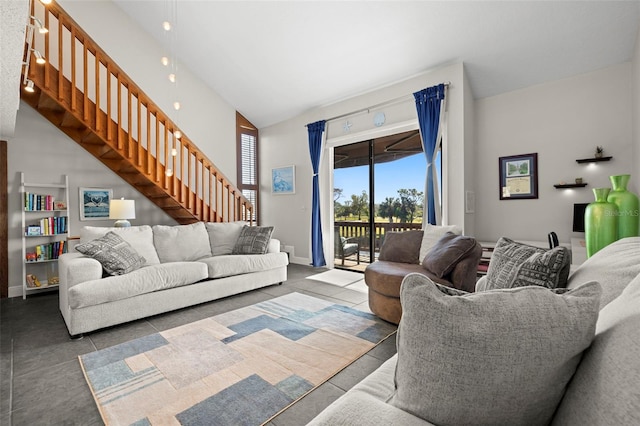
(361, 230)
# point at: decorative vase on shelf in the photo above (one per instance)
(600, 222)
(628, 206)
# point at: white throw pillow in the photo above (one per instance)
(140, 238)
(223, 236)
(181, 243)
(431, 235)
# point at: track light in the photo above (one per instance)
(45, 1)
(39, 58)
(177, 134)
(174, 152)
(172, 77)
(166, 25)
(169, 172)
(41, 28)
(164, 60)
(176, 105)
(29, 87)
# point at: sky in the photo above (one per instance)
(407, 173)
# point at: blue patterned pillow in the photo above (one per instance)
(116, 256)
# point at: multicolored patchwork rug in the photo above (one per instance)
(238, 368)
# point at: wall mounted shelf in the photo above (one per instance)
(570, 185)
(593, 160)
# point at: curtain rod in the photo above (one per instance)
(381, 104)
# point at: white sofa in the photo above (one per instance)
(184, 265)
(604, 390)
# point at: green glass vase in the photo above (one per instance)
(600, 222)
(628, 206)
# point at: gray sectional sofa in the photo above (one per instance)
(595, 381)
(178, 266)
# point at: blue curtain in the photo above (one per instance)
(428, 103)
(315, 150)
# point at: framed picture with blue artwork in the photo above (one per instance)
(283, 180)
(94, 203)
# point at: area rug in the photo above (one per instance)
(337, 277)
(239, 368)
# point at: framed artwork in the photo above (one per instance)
(283, 180)
(94, 203)
(518, 177)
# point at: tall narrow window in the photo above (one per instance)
(247, 154)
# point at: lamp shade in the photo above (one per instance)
(122, 210)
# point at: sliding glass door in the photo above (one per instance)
(378, 188)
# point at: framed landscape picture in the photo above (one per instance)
(283, 180)
(518, 177)
(94, 203)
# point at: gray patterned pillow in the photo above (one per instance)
(253, 240)
(515, 264)
(499, 357)
(116, 256)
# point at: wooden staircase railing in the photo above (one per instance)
(96, 104)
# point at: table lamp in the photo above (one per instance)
(121, 210)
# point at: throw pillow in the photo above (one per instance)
(223, 236)
(116, 256)
(181, 243)
(517, 265)
(403, 247)
(431, 235)
(140, 237)
(496, 357)
(448, 251)
(253, 240)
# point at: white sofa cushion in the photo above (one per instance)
(224, 266)
(140, 238)
(604, 389)
(496, 357)
(431, 234)
(144, 280)
(181, 243)
(613, 267)
(223, 236)
(366, 403)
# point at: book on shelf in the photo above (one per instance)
(38, 202)
(48, 226)
(50, 251)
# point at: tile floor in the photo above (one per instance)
(40, 378)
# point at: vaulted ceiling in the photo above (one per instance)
(272, 60)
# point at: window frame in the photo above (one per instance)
(245, 127)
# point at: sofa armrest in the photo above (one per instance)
(274, 246)
(76, 268)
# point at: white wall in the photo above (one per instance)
(207, 119)
(635, 177)
(45, 154)
(286, 143)
(562, 121)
